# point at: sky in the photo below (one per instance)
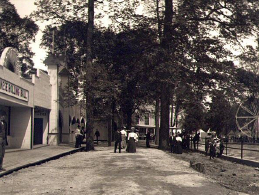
(24, 8)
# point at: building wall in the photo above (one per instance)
(21, 126)
(42, 99)
(16, 80)
(54, 113)
(20, 109)
(42, 90)
(45, 117)
(73, 111)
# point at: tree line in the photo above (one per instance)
(175, 55)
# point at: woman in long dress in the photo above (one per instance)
(132, 139)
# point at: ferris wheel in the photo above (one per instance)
(247, 118)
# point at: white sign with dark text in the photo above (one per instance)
(13, 90)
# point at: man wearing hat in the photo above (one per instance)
(3, 139)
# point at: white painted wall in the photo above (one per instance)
(54, 113)
(20, 128)
(42, 90)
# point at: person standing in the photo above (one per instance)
(123, 137)
(179, 141)
(78, 136)
(207, 145)
(173, 143)
(117, 137)
(147, 139)
(196, 140)
(3, 139)
(132, 139)
(83, 134)
(97, 134)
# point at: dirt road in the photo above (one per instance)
(149, 171)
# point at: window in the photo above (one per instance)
(147, 119)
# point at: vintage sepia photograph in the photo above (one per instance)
(129, 97)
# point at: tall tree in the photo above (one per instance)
(166, 44)
(88, 77)
(17, 32)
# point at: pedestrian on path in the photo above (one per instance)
(147, 139)
(132, 139)
(123, 137)
(207, 145)
(179, 148)
(173, 143)
(196, 140)
(83, 134)
(97, 134)
(117, 137)
(3, 139)
(78, 136)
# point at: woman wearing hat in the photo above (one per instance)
(132, 139)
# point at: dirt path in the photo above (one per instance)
(147, 172)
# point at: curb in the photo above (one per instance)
(40, 161)
(234, 159)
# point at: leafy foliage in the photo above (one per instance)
(17, 32)
(141, 52)
(221, 115)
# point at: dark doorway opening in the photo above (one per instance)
(38, 131)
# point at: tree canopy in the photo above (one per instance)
(179, 49)
(17, 32)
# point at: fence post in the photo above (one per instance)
(226, 148)
(242, 148)
(191, 141)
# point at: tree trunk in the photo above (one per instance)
(157, 119)
(165, 92)
(165, 110)
(88, 77)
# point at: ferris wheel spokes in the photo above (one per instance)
(246, 109)
(254, 117)
(254, 108)
(246, 124)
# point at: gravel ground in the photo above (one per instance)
(233, 176)
(147, 172)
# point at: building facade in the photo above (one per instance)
(35, 114)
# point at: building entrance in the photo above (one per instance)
(38, 131)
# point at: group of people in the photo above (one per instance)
(79, 135)
(214, 146)
(125, 140)
(178, 142)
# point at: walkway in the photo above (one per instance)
(147, 172)
(16, 159)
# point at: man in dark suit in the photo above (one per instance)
(3, 139)
(118, 139)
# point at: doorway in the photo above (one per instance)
(38, 131)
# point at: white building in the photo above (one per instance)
(34, 111)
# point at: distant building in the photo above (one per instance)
(145, 121)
